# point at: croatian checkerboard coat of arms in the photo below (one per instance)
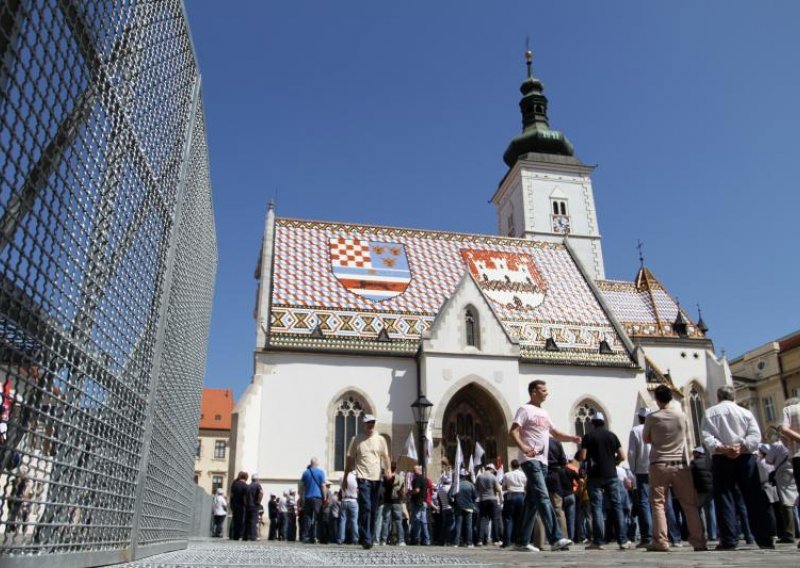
(375, 270)
(509, 278)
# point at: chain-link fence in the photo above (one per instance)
(107, 266)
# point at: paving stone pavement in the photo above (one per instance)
(207, 553)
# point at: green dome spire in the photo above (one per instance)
(536, 134)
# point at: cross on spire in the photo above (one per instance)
(528, 55)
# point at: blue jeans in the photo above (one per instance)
(537, 499)
(645, 514)
(368, 491)
(608, 486)
(419, 523)
(512, 512)
(741, 472)
(705, 502)
(569, 514)
(348, 518)
(463, 518)
(392, 513)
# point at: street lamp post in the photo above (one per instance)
(422, 413)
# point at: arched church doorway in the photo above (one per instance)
(473, 416)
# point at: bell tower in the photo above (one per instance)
(547, 192)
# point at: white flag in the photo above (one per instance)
(428, 444)
(472, 468)
(478, 454)
(409, 458)
(457, 467)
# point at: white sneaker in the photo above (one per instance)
(499, 543)
(562, 544)
(528, 548)
(626, 546)
(471, 546)
(401, 543)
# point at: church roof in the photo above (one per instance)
(644, 307)
(378, 289)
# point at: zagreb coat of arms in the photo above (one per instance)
(510, 279)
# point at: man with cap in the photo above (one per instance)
(531, 431)
(732, 435)
(313, 492)
(602, 450)
(367, 454)
(704, 485)
(666, 431)
(639, 460)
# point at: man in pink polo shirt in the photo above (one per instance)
(531, 431)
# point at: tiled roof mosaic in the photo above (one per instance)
(644, 307)
(351, 283)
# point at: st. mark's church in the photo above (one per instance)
(357, 319)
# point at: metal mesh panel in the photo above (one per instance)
(107, 262)
(170, 488)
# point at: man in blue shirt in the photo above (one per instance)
(313, 492)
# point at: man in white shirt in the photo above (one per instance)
(639, 460)
(531, 431)
(731, 435)
(513, 500)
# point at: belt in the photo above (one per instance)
(672, 463)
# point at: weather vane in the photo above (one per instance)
(640, 247)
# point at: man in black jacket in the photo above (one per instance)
(704, 484)
(255, 493)
(272, 511)
(238, 505)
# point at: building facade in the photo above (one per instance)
(355, 319)
(766, 377)
(213, 440)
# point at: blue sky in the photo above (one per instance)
(399, 113)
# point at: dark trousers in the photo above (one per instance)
(490, 513)
(312, 515)
(741, 472)
(218, 521)
(273, 527)
(237, 522)
(512, 511)
(368, 491)
(463, 527)
(250, 523)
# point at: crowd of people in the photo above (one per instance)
(658, 495)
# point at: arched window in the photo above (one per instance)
(347, 424)
(584, 413)
(698, 409)
(471, 326)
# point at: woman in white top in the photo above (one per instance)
(220, 512)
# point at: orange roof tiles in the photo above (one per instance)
(216, 407)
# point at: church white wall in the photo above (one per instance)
(511, 206)
(298, 392)
(447, 374)
(686, 365)
(248, 410)
(618, 393)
